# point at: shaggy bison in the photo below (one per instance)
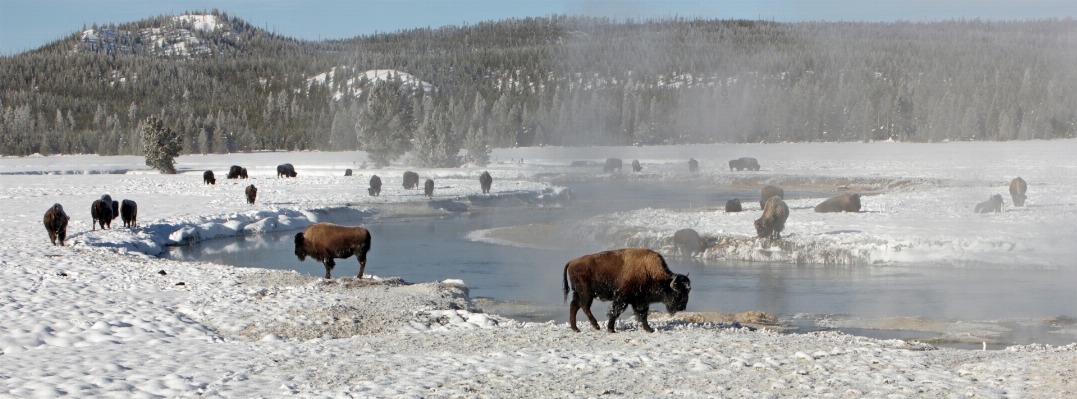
(411, 180)
(236, 172)
(485, 180)
(115, 209)
(733, 205)
(252, 194)
(771, 224)
(688, 241)
(56, 224)
(744, 163)
(286, 170)
(1018, 187)
(243, 173)
(693, 165)
(375, 186)
(629, 276)
(101, 211)
(636, 166)
(207, 178)
(767, 192)
(129, 211)
(993, 204)
(347, 172)
(840, 203)
(325, 241)
(611, 164)
(428, 188)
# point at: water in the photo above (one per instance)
(431, 249)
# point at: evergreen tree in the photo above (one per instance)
(435, 142)
(384, 125)
(160, 144)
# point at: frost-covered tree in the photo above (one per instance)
(384, 125)
(478, 152)
(436, 145)
(160, 144)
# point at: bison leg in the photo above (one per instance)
(329, 263)
(573, 308)
(585, 303)
(616, 308)
(362, 263)
(641, 316)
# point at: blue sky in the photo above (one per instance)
(28, 24)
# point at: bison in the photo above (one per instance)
(636, 166)
(744, 163)
(56, 224)
(129, 210)
(101, 211)
(733, 205)
(840, 203)
(993, 204)
(767, 192)
(252, 194)
(411, 180)
(693, 165)
(485, 180)
(628, 276)
(236, 172)
(207, 178)
(771, 224)
(347, 172)
(611, 164)
(428, 188)
(375, 186)
(325, 241)
(115, 209)
(688, 241)
(1018, 187)
(286, 170)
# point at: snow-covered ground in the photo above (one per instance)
(102, 317)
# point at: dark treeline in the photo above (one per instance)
(558, 80)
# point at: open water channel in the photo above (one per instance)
(878, 301)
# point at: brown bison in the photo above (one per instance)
(375, 186)
(252, 194)
(629, 276)
(207, 178)
(101, 211)
(693, 165)
(744, 163)
(688, 241)
(411, 180)
(286, 170)
(243, 173)
(325, 241)
(767, 192)
(129, 211)
(1018, 187)
(485, 180)
(236, 172)
(56, 224)
(636, 166)
(733, 205)
(428, 188)
(993, 204)
(771, 224)
(611, 164)
(347, 172)
(840, 203)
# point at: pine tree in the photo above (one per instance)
(435, 142)
(384, 125)
(160, 144)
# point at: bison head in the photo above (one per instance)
(299, 251)
(676, 295)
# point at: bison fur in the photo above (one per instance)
(286, 170)
(840, 203)
(347, 172)
(693, 165)
(485, 180)
(611, 164)
(56, 224)
(744, 163)
(767, 192)
(101, 211)
(411, 180)
(252, 194)
(235, 172)
(207, 178)
(375, 186)
(993, 204)
(688, 242)
(733, 205)
(771, 224)
(428, 188)
(1018, 187)
(129, 211)
(325, 241)
(636, 166)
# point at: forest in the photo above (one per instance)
(227, 86)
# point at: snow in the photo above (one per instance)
(203, 22)
(353, 87)
(103, 317)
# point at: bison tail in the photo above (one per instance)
(564, 282)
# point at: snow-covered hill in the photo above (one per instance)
(181, 36)
(354, 82)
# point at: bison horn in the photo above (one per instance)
(673, 284)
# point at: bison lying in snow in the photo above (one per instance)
(375, 186)
(744, 163)
(693, 165)
(688, 241)
(771, 224)
(237, 172)
(428, 188)
(411, 180)
(56, 224)
(129, 211)
(733, 205)
(611, 164)
(252, 194)
(207, 178)
(636, 166)
(629, 276)
(1018, 187)
(347, 172)
(485, 180)
(993, 204)
(840, 203)
(286, 170)
(325, 241)
(767, 192)
(101, 211)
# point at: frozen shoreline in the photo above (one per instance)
(89, 320)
